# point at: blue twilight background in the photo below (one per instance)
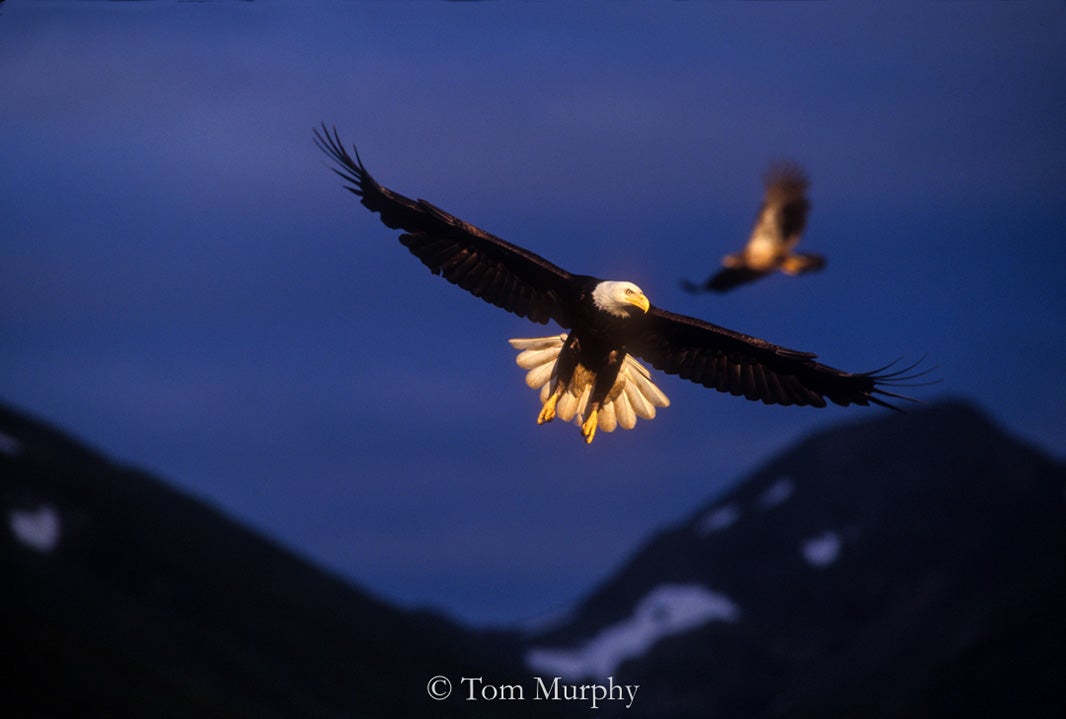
(186, 285)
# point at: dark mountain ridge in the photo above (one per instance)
(907, 566)
(123, 597)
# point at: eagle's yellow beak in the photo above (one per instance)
(638, 299)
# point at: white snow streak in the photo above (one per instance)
(823, 550)
(667, 610)
(38, 529)
(777, 493)
(719, 519)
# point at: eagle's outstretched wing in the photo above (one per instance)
(498, 272)
(753, 368)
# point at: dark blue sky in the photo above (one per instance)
(185, 285)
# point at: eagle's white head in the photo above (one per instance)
(619, 298)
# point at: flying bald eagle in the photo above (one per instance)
(778, 229)
(590, 373)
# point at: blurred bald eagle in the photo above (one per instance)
(590, 373)
(778, 229)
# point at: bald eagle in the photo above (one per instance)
(778, 229)
(591, 373)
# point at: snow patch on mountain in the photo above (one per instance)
(776, 494)
(823, 550)
(667, 610)
(38, 529)
(719, 518)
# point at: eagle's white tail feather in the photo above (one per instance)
(541, 376)
(637, 397)
(538, 343)
(642, 380)
(641, 406)
(583, 403)
(624, 409)
(571, 406)
(607, 420)
(528, 359)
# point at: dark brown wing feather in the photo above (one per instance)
(750, 367)
(498, 272)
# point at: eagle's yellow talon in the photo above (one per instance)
(547, 412)
(588, 429)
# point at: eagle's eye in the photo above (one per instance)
(629, 291)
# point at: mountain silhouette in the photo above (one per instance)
(122, 597)
(909, 566)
